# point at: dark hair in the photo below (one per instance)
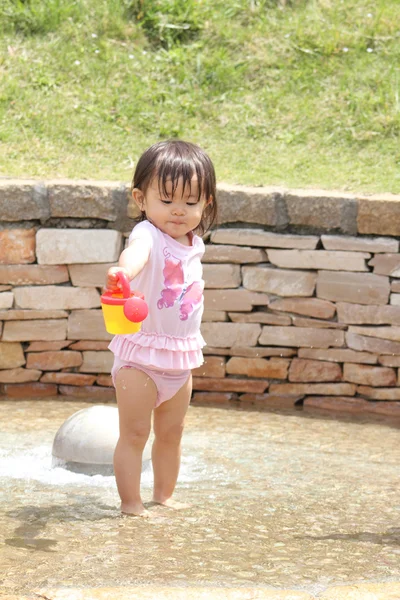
(171, 160)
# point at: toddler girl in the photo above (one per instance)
(175, 190)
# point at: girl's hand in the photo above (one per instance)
(112, 282)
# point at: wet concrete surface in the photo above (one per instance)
(288, 503)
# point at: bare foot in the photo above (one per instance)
(135, 510)
(169, 503)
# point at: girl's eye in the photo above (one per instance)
(191, 203)
(166, 201)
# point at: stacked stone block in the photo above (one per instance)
(300, 306)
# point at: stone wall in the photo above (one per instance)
(301, 305)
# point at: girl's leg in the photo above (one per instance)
(136, 397)
(169, 420)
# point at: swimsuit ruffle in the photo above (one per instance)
(159, 350)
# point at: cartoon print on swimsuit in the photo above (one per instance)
(176, 289)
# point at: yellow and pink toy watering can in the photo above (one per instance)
(123, 312)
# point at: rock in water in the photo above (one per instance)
(85, 442)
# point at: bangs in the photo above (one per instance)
(183, 165)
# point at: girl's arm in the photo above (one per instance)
(131, 262)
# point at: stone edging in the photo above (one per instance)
(54, 202)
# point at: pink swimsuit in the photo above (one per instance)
(169, 344)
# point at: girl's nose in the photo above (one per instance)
(178, 210)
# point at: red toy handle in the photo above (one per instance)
(124, 281)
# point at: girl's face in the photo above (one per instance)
(175, 215)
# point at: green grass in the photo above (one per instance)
(302, 93)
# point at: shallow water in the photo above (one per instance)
(278, 500)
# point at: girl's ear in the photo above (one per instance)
(209, 201)
(138, 198)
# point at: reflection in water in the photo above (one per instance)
(391, 537)
(30, 543)
(33, 524)
(34, 521)
(267, 490)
